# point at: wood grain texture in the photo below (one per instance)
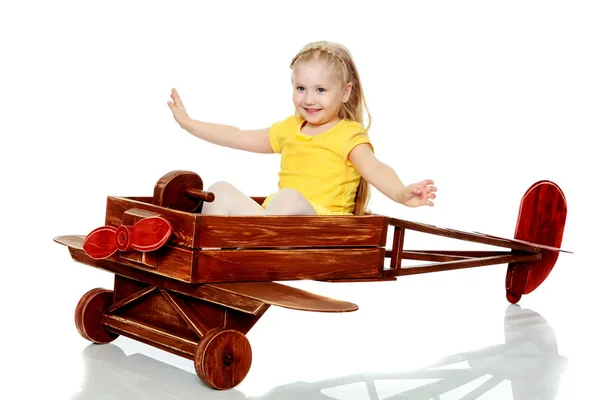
(223, 358)
(542, 217)
(132, 298)
(280, 265)
(200, 231)
(276, 294)
(461, 235)
(156, 311)
(205, 292)
(171, 191)
(183, 223)
(89, 313)
(459, 264)
(397, 248)
(193, 319)
(205, 266)
(291, 231)
(249, 297)
(159, 338)
(148, 258)
(444, 255)
(240, 321)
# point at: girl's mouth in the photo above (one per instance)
(312, 110)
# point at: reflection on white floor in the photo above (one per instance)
(528, 360)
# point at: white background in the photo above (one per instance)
(484, 97)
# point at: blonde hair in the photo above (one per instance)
(339, 56)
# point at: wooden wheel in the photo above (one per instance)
(223, 358)
(180, 190)
(542, 217)
(88, 316)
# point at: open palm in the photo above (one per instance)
(176, 106)
(419, 194)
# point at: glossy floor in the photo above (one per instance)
(445, 335)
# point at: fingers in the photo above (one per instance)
(175, 97)
(429, 193)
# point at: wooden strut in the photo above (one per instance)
(144, 332)
(444, 260)
(167, 335)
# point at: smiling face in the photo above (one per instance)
(318, 92)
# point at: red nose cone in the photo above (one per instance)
(124, 238)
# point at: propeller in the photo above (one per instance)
(147, 234)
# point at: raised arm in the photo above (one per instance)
(256, 141)
(384, 179)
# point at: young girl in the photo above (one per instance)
(327, 159)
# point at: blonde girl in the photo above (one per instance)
(327, 158)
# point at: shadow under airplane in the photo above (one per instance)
(528, 359)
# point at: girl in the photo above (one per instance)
(327, 159)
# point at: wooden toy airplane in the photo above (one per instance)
(527, 361)
(194, 284)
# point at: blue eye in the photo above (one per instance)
(300, 88)
(320, 90)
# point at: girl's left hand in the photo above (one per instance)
(419, 194)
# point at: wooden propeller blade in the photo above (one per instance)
(150, 234)
(100, 243)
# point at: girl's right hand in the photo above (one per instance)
(176, 106)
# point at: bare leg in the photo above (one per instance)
(230, 201)
(289, 202)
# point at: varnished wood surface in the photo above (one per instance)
(200, 194)
(444, 255)
(295, 264)
(89, 313)
(223, 358)
(203, 266)
(291, 231)
(285, 296)
(171, 189)
(459, 264)
(197, 231)
(248, 297)
(179, 314)
(461, 235)
(147, 234)
(205, 292)
(145, 333)
(183, 223)
(173, 262)
(397, 248)
(192, 318)
(539, 245)
(542, 217)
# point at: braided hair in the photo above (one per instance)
(340, 58)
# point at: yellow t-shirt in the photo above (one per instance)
(318, 166)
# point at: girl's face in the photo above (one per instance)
(318, 92)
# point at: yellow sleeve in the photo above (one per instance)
(353, 136)
(279, 131)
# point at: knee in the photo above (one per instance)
(289, 202)
(288, 196)
(220, 187)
